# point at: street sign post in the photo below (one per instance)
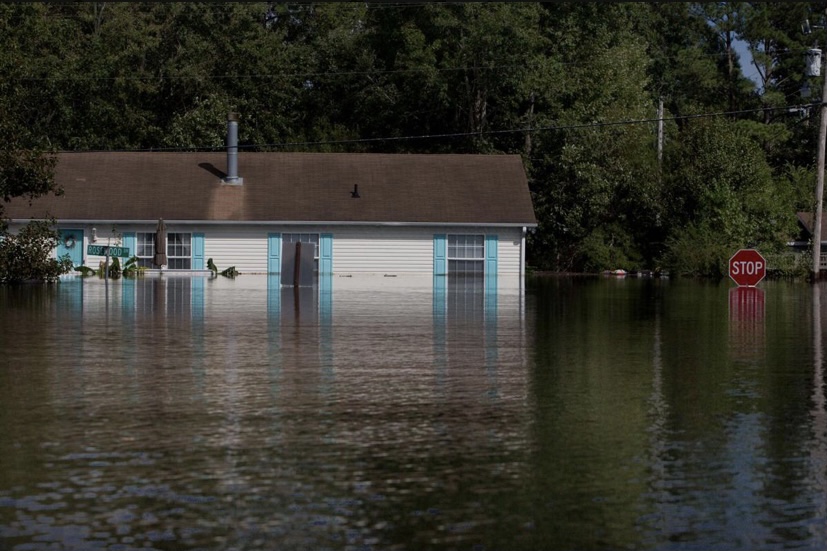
(747, 267)
(107, 250)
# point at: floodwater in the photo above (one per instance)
(184, 413)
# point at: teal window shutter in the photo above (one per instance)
(130, 243)
(491, 264)
(198, 251)
(326, 253)
(440, 254)
(491, 255)
(274, 253)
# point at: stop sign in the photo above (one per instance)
(747, 267)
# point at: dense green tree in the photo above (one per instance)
(26, 171)
(26, 167)
(727, 20)
(596, 187)
(26, 256)
(26, 159)
(686, 67)
(468, 70)
(721, 196)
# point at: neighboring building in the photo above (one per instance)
(391, 215)
(802, 241)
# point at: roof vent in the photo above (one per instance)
(355, 192)
(232, 151)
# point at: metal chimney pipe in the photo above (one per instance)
(232, 150)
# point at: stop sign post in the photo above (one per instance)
(747, 267)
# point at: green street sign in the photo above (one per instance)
(101, 250)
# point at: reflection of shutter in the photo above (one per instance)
(274, 253)
(198, 251)
(128, 294)
(326, 253)
(491, 264)
(197, 297)
(129, 242)
(440, 254)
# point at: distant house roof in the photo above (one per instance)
(287, 187)
(805, 219)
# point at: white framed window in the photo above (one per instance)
(466, 254)
(145, 249)
(179, 251)
(304, 238)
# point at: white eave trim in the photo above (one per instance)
(284, 223)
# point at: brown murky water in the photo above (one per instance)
(178, 413)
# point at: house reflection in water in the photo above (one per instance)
(224, 365)
(465, 314)
(373, 330)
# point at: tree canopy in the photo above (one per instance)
(573, 87)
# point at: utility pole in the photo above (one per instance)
(822, 143)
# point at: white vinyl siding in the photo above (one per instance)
(411, 250)
(508, 250)
(382, 251)
(379, 250)
(246, 249)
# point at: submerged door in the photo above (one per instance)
(71, 243)
(298, 264)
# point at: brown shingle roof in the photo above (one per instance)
(806, 221)
(287, 187)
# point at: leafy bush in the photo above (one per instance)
(131, 268)
(788, 264)
(27, 255)
(697, 252)
(608, 249)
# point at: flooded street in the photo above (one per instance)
(188, 413)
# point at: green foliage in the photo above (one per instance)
(130, 268)
(85, 271)
(799, 181)
(788, 264)
(230, 272)
(27, 255)
(722, 196)
(596, 189)
(698, 251)
(609, 248)
(114, 268)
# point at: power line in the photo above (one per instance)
(452, 135)
(583, 126)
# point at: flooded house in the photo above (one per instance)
(806, 229)
(388, 215)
